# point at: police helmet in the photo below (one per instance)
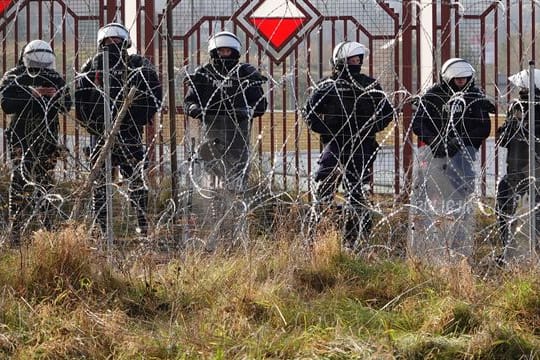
(114, 30)
(345, 50)
(521, 79)
(224, 39)
(456, 68)
(38, 54)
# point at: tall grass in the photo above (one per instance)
(61, 298)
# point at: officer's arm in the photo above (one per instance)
(192, 99)
(313, 111)
(422, 122)
(62, 99)
(383, 109)
(480, 131)
(89, 101)
(510, 128)
(254, 93)
(257, 99)
(83, 91)
(149, 95)
(66, 99)
(14, 96)
(481, 122)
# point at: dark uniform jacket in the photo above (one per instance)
(516, 126)
(348, 110)
(33, 124)
(469, 114)
(238, 94)
(132, 71)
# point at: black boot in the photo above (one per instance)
(357, 228)
(139, 198)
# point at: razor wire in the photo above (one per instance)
(210, 212)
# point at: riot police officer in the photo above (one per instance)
(225, 95)
(128, 153)
(453, 114)
(451, 122)
(514, 136)
(347, 109)
(33, 94)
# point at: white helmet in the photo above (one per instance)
(521, 79)
(38, 54)
(113, 30)
(224, 39)
(347, 49)
(456, 68)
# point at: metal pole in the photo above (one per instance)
(426, 43)
(533, 178)
(96, 170)
(188, 205)
(108, 161)
(407, 69)
(192, 43)
(172, 111)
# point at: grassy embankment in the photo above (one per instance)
(62, 299)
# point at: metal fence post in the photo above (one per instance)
(533, 170)
(172, 112)
(108, 160)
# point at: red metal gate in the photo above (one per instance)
(71, 26)
(283, 141)
(498, 37)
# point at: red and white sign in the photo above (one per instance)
(277, 25)
(3, 5)
(277, 21)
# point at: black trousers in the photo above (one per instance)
(512, 186)
(225, 150)
(31, 181)
(130, 161)
(353, 170)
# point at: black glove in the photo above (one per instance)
(507, 132)
(441, 149)
(195, 111)
(241, 114)
(438, 150)
(453, 146)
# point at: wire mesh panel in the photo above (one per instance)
(291, 45)
(284, 150)
(70, 28)
(284, 138)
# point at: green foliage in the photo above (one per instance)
(509, 344)
(463, 320)
(433, 347)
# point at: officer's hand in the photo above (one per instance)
(453, 146)
(43, 91)
(242, 114)
(436, 146)
(438, 150)
(195, 111)
(61, 152)
(98, 79)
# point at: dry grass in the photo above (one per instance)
(61, 298)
